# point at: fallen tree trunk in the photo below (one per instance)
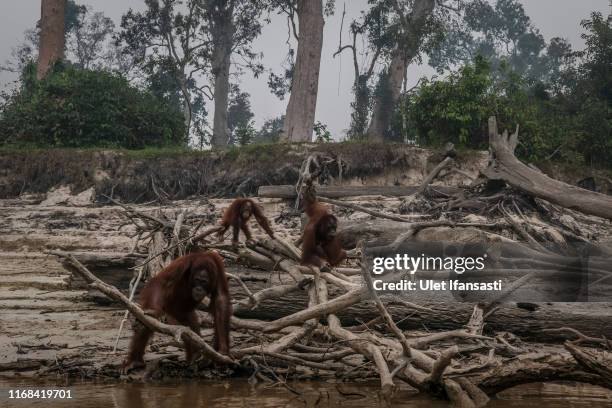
(288, 191)
(107, 259)
(505, 166)
(561, 367)
(527, 321)
(592, 319)
(384, 232)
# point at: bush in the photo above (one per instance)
(82, 108)
(450, 110)
(570, 126)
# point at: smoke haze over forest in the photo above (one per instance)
(554, 18)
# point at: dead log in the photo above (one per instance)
(384, 232)
(593, 361)
(503, 165)
(102, 260)
(22, 365)
(112, 267)
(288, 191)
(448, 159)
(593, 319)
(365, 210)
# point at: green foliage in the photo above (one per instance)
(322, 133)
(239, 115)
(81, 108)
(360, 108)
(502, 32)
(270, 130)
(591, 95)
(567, 119)
(245, 134)
(451, 110)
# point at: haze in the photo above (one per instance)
(554, 18)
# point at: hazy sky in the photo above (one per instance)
(554, 18)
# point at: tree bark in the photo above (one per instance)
(388, 96)
(505, 166)
(359, 115)
(288, 191)
(223, 34)
(300, 116)
(187, 109)
(589, 318)
(592, 319)
(406, 49)
(52, 36)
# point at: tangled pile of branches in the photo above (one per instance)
(464, 365)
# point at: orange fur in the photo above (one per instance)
(317, 244)
(170, 293)
(234, 217)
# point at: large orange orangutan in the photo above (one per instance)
(319, 239)
(175, 293)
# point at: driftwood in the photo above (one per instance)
(448, 159)
(278, 296)
(288, 191)
(305, 318)
(385, 232)
(401, 357)
(108, 260)
(531, 321)
(365, 210)
(505, 166)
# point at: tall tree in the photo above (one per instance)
(52, 38)
(195, 40)
(89, 43)
(234, 24)
(239, 113)
(371, 28)
(410, 29)
(503, 33)
(172, 35)
(300, 116)
(221, 17)
(88, 38)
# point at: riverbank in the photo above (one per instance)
(143, 176)
(55, 327)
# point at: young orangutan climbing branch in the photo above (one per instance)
(238, 214)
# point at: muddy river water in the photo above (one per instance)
(239, 394)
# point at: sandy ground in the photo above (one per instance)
(48, 324)
(41, 315)
(45, 317)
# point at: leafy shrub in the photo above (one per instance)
(572, 126)
(245, 134)
(450, 110)
(321, 133)
(81, 108)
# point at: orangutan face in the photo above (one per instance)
(199, 285)
(246, 211)
(327, 228)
